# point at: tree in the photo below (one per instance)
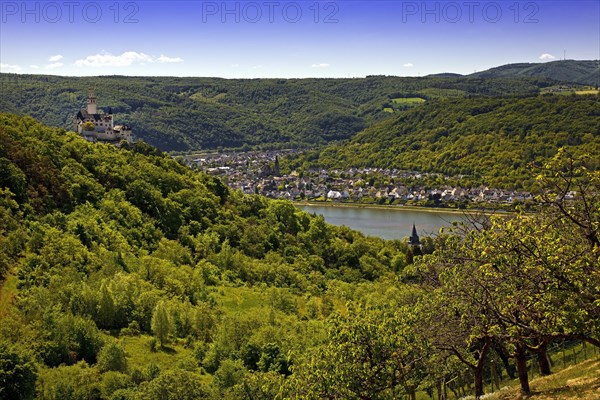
(230, 373)
(88, 126)
(161, 324)
(371, 353)
(112, 358)
(106, 308)
(177, 385)
(17, 374)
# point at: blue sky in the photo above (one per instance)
(288, 39)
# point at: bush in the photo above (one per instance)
(229, 374)
(113, 381)
(112, 358)
(177, 385)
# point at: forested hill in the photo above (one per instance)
(491, 140)
(194, 113)
(585, 72)
(95, 238)
(125, 275)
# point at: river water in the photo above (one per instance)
(386, 223)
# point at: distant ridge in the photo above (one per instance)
(585, 72)
(445, 75)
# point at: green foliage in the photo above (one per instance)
(88, 126)
(72, 382)
(17, 374)
(584, 72)
(229, 374)
(177, 385)
(112, 358)
(161, 325)
(369, 354)
(487, 141)
(192, 113)
(109, 245)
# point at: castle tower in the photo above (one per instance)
(91, 102)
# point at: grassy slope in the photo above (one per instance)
(580, 381)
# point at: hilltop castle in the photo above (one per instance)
(99, 127)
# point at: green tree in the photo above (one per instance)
(370, 353)
(161, 323)
(112, 358)
(230, 373)
(88, 126)
(106, 308)
(177, 385)
(18, 374)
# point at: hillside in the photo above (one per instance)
(490, 140)
(95, 239)
(207, 113)
(126, 275)
(568, 71)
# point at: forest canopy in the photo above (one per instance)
(490, 141)
(180, 114)
(127, 275)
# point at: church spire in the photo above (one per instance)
(414, 237)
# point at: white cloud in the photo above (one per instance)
(547, 57)
(165, 59)
(108, 60)
(55, 58)
(257, 67)
(34, 66)
(407, 65)
(235, 65)
(322, 65)
(124, 60)
(54, 65)
(9, 68)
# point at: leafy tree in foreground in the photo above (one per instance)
(370, 353)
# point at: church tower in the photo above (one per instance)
(91, 102)
(276, 171)
(414, 240)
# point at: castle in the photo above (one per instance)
(99, 127)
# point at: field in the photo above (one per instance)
(408, 101)
(588, 91)
(403, 103)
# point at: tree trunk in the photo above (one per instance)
(521, 362)
(510, 369)
(444, 390)
(478, 373)
(495, 376)
(542, 356)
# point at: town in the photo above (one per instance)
(259, 172)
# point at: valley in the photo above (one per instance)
(279, 251)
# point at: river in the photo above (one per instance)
(386, 223)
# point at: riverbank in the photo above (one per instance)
(398, 208)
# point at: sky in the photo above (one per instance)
(290, 39)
